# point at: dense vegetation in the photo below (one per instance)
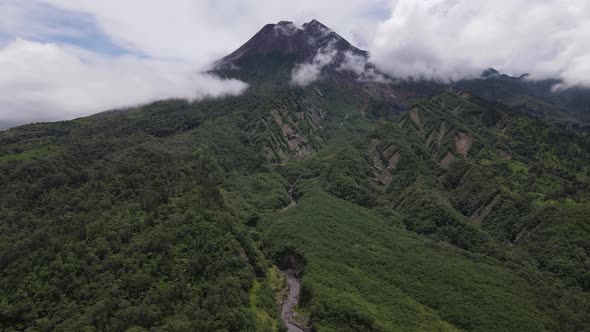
(459, 214)
(106, 225)
(516, 203)
(365, 272)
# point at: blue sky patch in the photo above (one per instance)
(45, 23)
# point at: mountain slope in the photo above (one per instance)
(364, 273)
(542, 98)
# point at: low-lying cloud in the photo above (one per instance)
(305, 73)
(44, 81)
(359, 65)
(454, 39)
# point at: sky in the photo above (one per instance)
(62, 59)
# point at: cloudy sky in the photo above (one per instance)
(61, 59)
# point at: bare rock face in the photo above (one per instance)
(287, 39)
(463, 143)
(385, 159)
(447, 160)
(279, 49)
(290, 129)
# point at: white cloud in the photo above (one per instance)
(446, 39)
(202, 30)
(305, 73)
(359, 65)
(286, 29)
(452, 39)
(41, 81)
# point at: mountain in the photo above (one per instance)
(6, 125)
(276, 52)
(283, 45)
(541, 98)
(283, 54)
(391, 205)
(286, 39)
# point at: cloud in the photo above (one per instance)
(288, 29)
(43, 81)
(453, 39)
(442, 39)
(360, 66)
(305, 73)
(36, 21)
(202, 31)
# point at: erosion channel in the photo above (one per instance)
(288, 313)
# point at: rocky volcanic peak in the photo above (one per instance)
(287, 53)
(490, 73)
(287, 39)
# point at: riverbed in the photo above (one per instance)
(288, 313)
